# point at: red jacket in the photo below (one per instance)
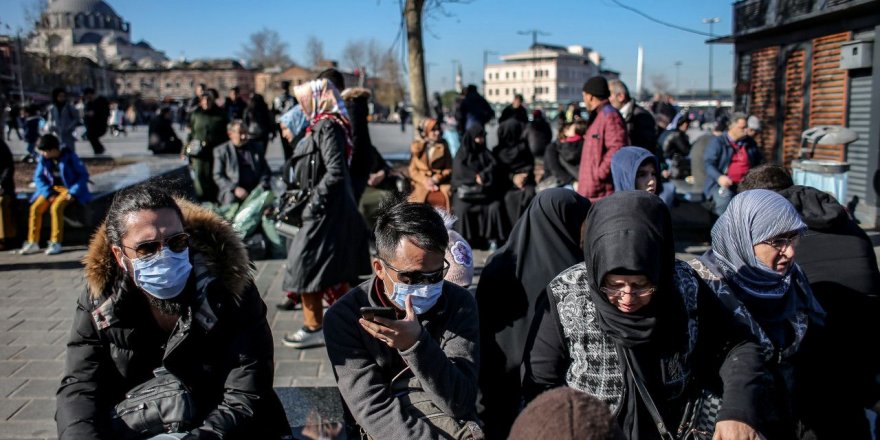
(606, 135)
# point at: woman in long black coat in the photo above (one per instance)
(516, 169)
(543, 243)
(331, 246)
(476, 194)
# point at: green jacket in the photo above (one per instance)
(208, 126)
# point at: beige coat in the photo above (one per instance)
(430, 160)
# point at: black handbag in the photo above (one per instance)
(471, 193)
(698, 420)
(161, 404)
(292, 204)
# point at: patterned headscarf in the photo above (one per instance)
(752, 217)
(321, 100)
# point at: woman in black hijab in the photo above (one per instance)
(543, 243)
(628, 316)
(516, 168)
(476, 194)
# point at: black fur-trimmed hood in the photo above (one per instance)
(218, 246)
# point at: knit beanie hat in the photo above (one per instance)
(598, 87)
(458, 253)
(565, 413)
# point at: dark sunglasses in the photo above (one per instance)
(416, 277)
(176, 243)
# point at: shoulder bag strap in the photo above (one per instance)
(649, 402)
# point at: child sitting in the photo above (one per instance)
(60, 178)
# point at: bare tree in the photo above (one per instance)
(660, 83)
(33, 11)
(413, 12)
(265, 49)
(314, 51)
(354, 54)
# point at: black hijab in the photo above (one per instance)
(512, 150)
(544, 242)
(472, 159)
(631, 231)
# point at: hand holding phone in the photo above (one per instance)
(369, 313)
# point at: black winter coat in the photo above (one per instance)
(641, 128)
(221, 347)
(331, 247)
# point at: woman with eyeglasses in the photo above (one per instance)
(624, 326)
(751, 270)
(169, 292)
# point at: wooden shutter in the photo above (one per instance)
(763, 99)
(828, 90)
(793, 118)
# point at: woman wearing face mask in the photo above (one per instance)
(627, 318)
(430, 167)
(751, 270)
(477, 199)
(169, 285)
(330, 248)
(635, 168)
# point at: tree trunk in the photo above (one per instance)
(418, 93)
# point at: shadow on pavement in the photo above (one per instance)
(41, 265)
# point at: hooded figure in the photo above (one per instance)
(628, 173)
(517, 164)
(330, 248)
(476, 200)
(357, 104)
(220, 347)
(775, 305)
(543, 243)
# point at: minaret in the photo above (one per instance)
(640, 73)
(458, 80)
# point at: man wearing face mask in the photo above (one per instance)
(170, 299)
(414, 375)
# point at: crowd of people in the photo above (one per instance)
(584, 323)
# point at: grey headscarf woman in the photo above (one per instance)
(763, 297)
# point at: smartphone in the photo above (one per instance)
(369, 313)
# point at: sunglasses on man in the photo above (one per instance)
(148, 249)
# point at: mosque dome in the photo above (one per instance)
(80, 6)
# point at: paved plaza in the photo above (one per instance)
(37, 301)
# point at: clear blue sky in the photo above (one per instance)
(218, 28)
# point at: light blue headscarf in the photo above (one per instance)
(625, 165)
(752, 217)
(295, 120)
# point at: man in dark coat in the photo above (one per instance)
(212, 334)
(208, 129)
(95, 114)
(472, 109)
(640, 125)
(239, 165)
(162, 137)
(515, 110)
(234, 105)
(386, 368)
(838, 259)
(357, 103)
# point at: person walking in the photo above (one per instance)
(473, 109)
(96, 112)
(208, 129)
(605, 135)
(62, 120)
(258, 121)
(330, 248)
(116, 120)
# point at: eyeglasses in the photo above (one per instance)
(416, 277)
(782, 244)
(148, 249)
(617, 294)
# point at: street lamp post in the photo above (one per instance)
(486, 54)
(534, 33)
(711, 22)
(677, 68)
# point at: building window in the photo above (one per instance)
(506, 75)
(514, 75)
(506, 92)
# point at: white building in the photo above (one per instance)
(89, 29)
(543, 73)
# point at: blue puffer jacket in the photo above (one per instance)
(74, 177)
